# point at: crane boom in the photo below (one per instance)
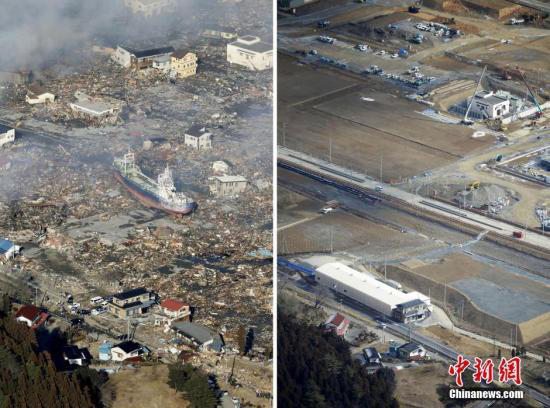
(531, 93)
(465, 120)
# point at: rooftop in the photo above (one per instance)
(128, 346)
(180, 53)
(152, 52)
(257, 46)
(4, 129)
(196, 130)
(231, 179)
(336, 319)
(29, 312)
(409, 347)
(200, 334)
(368, 285)
(5, 245)
(172, 304)
(131, 293)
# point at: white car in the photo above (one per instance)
(326, 210)
(379, 188)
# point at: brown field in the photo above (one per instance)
(416, 387)
(145, 388)
(321, 113)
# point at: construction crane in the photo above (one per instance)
(466, 121)
(539, 114)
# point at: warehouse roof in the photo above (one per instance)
(257, 47)
(368, 285)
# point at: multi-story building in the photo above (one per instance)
(183, 64)
(250, 52)
(198, 137)
(228, 186)
(141, 59)
(130, 303)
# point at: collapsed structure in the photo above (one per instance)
(7, 135)
(383, 298)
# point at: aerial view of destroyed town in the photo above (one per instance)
(136, 203)
(413, 203)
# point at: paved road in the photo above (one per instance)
(338, 173)
(406, 332)
(537, 5)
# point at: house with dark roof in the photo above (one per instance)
(411, 351)
(131, 303)
(201, 337)
(337, 324)
(372, 356)
(198, 137)
(74, 355)
(410, 311)
(32, 316)
(128, 350)
(141, 59)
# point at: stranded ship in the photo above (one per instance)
(159, 194)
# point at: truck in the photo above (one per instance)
(330, 206)
(323, 23)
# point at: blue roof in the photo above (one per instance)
(5, 245)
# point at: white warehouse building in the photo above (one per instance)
(250, 52)
(370, 292)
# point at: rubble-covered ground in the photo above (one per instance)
(84, 234)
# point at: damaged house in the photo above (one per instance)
(92, 107)
(199, 336)
(228, 186)
(36, 95)
(172, 310)
(183, 64)
(198, 138)
(141, 59)
(7, 135)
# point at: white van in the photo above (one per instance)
(96, 300)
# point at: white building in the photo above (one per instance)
(198, 137)
(127, 349)
(150, 7)
(7, 135)
(36, 95)
(90, 106)
(228, 186)
(488, 105)
(8, 249)
(364, 288)
(141, 59)
(250, 52)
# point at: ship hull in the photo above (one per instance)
(148, 199)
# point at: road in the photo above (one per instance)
(337, 173)
(405, 332)
(537, 5)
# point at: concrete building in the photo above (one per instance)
(198, 137)
(411, 351)
(183, 64)
(488, 105)
(36, 95)
(150, 7)
(131, 303)
(128, 349)
(104, 351)
(8, 249)
(250, 52)
(365, 289)
(228, 186)
(337, 324)
(7, 135)
(92, 107)
(199, 336)
(141, 59)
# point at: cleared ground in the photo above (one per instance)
(416, 387)
(322, 112)
(145, 388)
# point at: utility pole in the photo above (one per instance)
(331, 241)
(330, 149)
(385, 274)
(462, 313)
(445, 296)
(284, 134)
(381, 166)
